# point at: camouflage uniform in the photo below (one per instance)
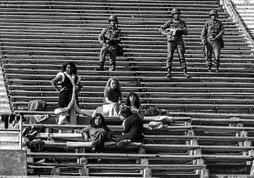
(211, 37)
(175, 29)
(109, 38)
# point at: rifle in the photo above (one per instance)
(203, 51)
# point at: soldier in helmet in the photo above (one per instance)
(109, 38)
(211, 37)
(174, 29)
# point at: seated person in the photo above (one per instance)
(133, 127)
(112, 99)
(132, 101)
(97, 132)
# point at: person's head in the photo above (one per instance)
(113, 20)
(69, 68)
(213, 14)
(125, 112)
(176, 13)
(133, 100)
(98, 120)
(114, 84)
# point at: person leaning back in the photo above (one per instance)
(174, 30)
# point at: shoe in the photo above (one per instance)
(123, 143)
(217, 70)
(93, 145)
(209, 70)
(168, 75)
(120, 144)
(6, 124)
(112, 68)
(186, 75)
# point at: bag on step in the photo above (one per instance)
(36, 105)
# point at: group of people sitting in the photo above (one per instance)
(97, 132)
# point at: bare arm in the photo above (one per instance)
(55, 80)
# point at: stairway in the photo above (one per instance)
(245, 10)
(37, 37)
(4, 100)
(9, 139)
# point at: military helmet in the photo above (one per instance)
(175, 11)
(113, 18)
(213, 12)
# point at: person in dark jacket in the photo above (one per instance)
(174, 29)
(133, 127)
(97, 132)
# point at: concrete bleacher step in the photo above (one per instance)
(4, 100)
(246, 14)
(9, 139)
(39, 36)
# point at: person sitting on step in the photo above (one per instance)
(112, 98)
(133, 102)
(97, 133)
(133, 128)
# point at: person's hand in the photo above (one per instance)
(62, 89)
(216, 38)
(203, 42)
(77, 88)
(178, 29)
(85, 136)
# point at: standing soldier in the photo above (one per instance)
(211, 37)
(174, 29)
(109, 38)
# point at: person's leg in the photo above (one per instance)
(73, 117)
(102, 58)
(181, 51)
(112, 61)
(209, 49)
(217, 51)
(98, 142)
(171, 49)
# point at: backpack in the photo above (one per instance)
(36, 105)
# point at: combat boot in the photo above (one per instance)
(112, 68)
(101, 67)
(169, 73)
(217, 69)
(185, 73)
(209, 69)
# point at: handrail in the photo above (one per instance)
(228, 5)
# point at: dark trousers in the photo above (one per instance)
(213, 47)
(179, 46)
(112, 53)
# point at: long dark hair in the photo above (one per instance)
(103, 124)
(72, 65)
(136, 102)
(125, 112)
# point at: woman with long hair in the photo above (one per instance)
(133, 102)
(112, 97)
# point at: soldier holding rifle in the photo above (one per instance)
(211, 37)
(174, 29)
